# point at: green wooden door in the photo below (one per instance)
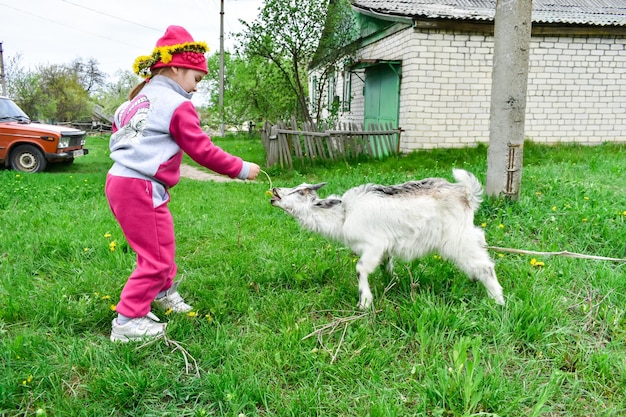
(382, 100)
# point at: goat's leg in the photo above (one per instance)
(388, 265)
(472, 257)
(367, 264)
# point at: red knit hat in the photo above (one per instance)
(176, 48)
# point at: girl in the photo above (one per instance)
(150, 133)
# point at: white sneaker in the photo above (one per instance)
(172, 300)
(137, 329)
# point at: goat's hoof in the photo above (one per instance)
(364, 304)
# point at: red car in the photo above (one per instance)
(29, 147)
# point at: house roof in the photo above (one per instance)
(576, 12)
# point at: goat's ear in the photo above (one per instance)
(328, 203)
(316, 187)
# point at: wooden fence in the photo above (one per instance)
(284, 144)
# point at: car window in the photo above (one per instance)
(11, 111)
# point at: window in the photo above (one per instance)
(332, 86)
(314, 91)
(347, 91)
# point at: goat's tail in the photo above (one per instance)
(473, 188)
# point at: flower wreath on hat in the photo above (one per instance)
(164, 54)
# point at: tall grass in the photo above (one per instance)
(434, 345)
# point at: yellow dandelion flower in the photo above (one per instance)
(269, 193)
(86, 249)
(538, 193)
(585, 220)
(535, 262)
(553, 208)
(500, 255)
(113, 307)
(192, 314)
(208, 318)
(112, 246)
(168, 311)
(501, 226)
(624, 213)
(107, 235)
(105, 297)
(483, 225)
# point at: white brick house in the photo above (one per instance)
(442, 54)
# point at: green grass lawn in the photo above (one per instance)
(434, 345)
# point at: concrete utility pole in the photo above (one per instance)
(221, 100)
(3, 80)
(512, 30)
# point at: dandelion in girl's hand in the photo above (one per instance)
(112, 246)
(535, 262)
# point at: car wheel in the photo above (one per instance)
(28, 158)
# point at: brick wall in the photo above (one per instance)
(576, 89)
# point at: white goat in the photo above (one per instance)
(406, 221)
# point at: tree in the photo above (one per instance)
(336, 49)
(24, 88)
(61, 87)
(254, 90)
(111, 95)
(508, 97)
(88, 74)
(287, 33)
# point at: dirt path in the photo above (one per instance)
(187, 171)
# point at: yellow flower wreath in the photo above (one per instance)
(164, 54)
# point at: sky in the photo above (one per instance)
(113, 32)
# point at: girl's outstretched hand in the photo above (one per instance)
(254, 171)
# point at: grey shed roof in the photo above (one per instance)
(576, 12)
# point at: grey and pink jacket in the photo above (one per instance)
(151, 132)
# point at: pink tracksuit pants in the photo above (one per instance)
(149, 231)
